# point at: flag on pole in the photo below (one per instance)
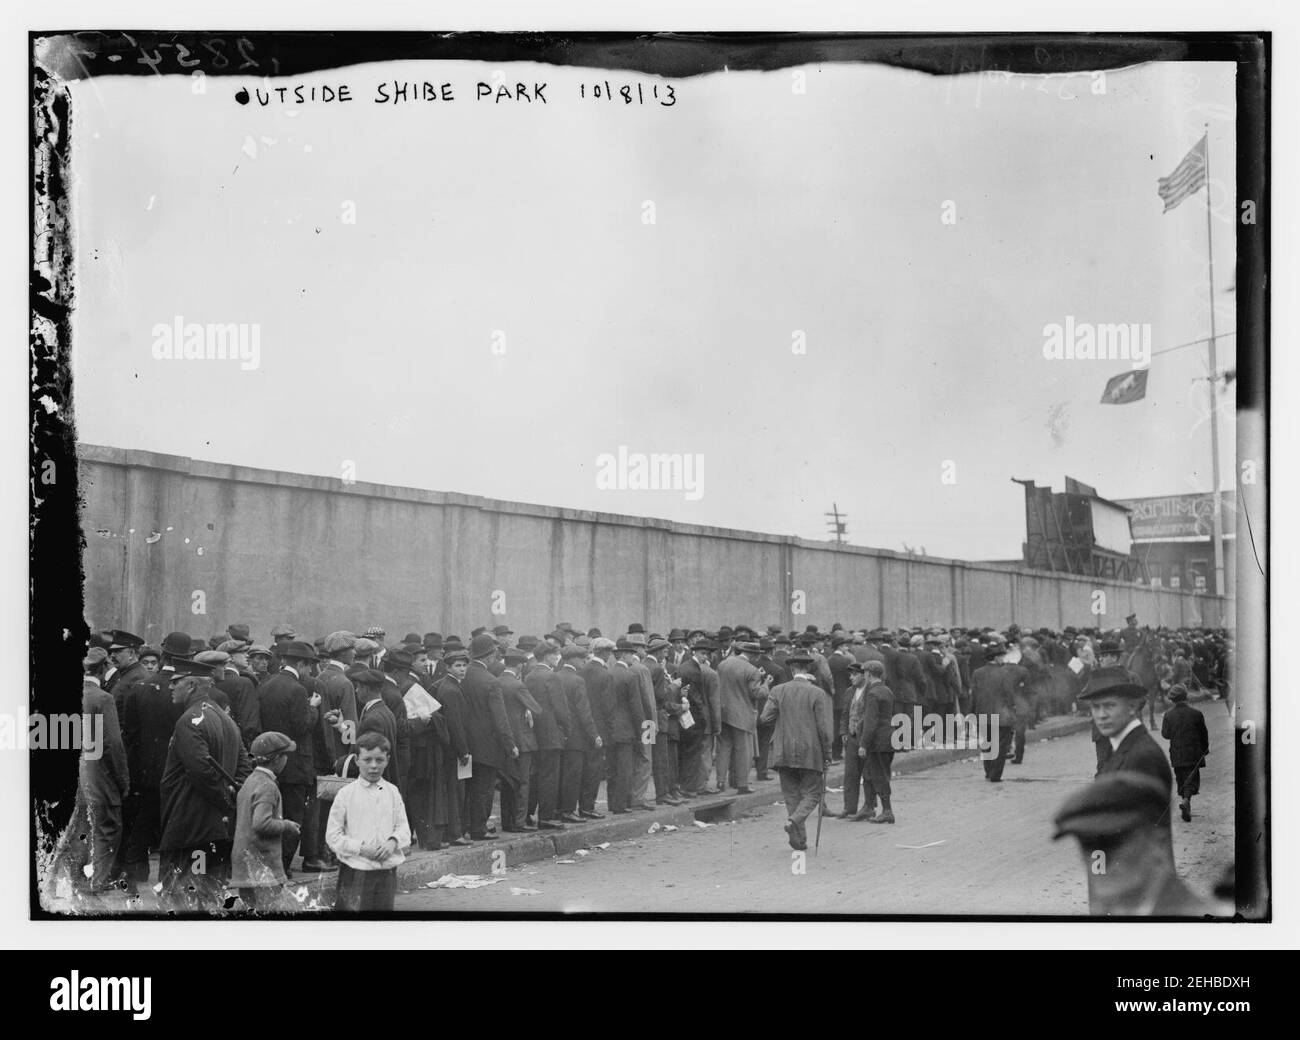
(1188, 176)
(1126, 387)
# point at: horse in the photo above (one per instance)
(1144, 662)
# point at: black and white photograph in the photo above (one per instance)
(580, 475)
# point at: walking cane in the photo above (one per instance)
(820, 805)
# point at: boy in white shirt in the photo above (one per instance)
(368, 832)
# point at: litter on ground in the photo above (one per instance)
(463, 881)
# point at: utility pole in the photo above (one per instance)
(837, 520)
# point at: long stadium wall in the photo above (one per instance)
(176, 543)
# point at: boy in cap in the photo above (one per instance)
(257, 856)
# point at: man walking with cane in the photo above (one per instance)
(801, 742)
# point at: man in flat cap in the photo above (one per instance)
(841, 657)
(288, 707)
(801, 742)
(239, 687)
(1127, 858)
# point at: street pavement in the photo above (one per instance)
(962, 846)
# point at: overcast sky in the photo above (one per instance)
(774, 211)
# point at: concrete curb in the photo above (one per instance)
(423, 867)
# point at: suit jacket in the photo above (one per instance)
(284, 709)
(1139, 753)
(628, 712)
(244, 706)
(1184, 728)
(553, 724)
(600, 696)
(336, 693)
(518, 700)
(646, 686)
(999, 689)
(105, 780)
(739, 684)
(839, 664)
(487, 727)
(877, 729)
(197, 804)
(148, 721)
(582, 726)
(122, 681)
(449, 693)
(377, 717)
(802, 736)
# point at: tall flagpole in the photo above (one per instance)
(1213, 382)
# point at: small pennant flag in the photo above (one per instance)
(1188, 176)
(1126, 387)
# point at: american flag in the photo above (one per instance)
(1188, 175)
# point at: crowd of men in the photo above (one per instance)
(528, 729)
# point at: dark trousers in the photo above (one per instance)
(839, 702)
(546, 797)
(571, 763)
(876, 767)
(855, 779)
(764, 746)
(142, 834)
(315, 817)
(593, 773)
(295, 798)
(478, 799)
(516, 793)
(663, 762)
(367, 891)
(1187, 780)
(620, 777)
(993, 766)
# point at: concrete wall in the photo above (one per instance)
(263, 547)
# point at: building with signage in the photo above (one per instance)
(1173, 538)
